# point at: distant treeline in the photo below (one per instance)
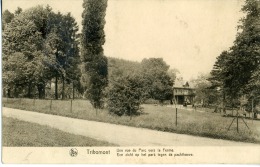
(41, 59)
(40, 52)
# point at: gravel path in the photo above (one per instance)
(117, 134)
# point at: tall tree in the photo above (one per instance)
(205, 93)
(61, 42)
(93, 38)
(50, 43)
(173, 73)
(158, 83)
(7, 17)
(218, 75)
(248, 43)
(71, 63)
(233, 69)
(21, 36)
(254, 83)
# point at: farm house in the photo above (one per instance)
(183, 93)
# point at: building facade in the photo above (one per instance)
(183, 93)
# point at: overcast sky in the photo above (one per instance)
(187, 34)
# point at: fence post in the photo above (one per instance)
(176, 116)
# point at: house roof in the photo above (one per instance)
(179, 83)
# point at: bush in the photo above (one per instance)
(156, 102)
(124, 96)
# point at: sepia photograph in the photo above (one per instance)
(130, 81)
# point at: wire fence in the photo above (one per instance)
(70, 107)
(50, 104)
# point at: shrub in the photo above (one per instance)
(124, 96)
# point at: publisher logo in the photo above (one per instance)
(73, 152)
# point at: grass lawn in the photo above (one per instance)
(161, 118)
(21, 133)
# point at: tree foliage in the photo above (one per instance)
(157, 82)
(205, 93)
(93, 38)
(49, 43)
(235, 69)
(121, 68)
(125, 95)
(7, 17)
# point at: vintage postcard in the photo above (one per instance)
(130, 82)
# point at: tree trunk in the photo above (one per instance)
(171, 102)
(41, 91)
(73, 90)
(15, 92)
(63, 87)
(8, 93)
(56, 87)
(4, 92)
(224, 103)
(29, 90)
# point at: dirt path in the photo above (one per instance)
(118, 134)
